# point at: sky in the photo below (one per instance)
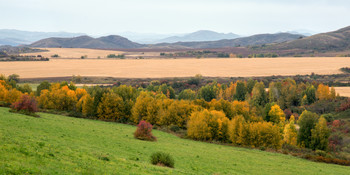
(244, 17)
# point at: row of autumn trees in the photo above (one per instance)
(242, 113)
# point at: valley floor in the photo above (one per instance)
(163, 68)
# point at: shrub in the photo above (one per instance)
(174, 128)
(162, 159)
(26, 104)
(122, 56)
(345, 69)
(144, 131)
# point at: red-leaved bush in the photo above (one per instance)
(344, 106)
(144, 131)
(26, 104)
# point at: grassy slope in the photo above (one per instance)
(56, 144)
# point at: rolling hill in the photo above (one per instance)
(106, 42)
(54, 144)
(115, 41)
(238, 42)
(202, 35)
(332, 41)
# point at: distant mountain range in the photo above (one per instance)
(17, 37)
(238, 42)
(202, 35)
(115, 41)
(144, 38)
(332, 41)
(106, 42)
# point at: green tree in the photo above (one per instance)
(167, 90)
(208, 92)
(43, 85)
(307, 121)
(274, 91)
(25, 88)
(13, 77)
(289, 96)
(129, 95)
(187, 94)
(250, 85)
(310, 93)
(241, 91)
(267, 109)
(319, 135)
(259, 97)
(96, 93)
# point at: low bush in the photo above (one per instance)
(162, 159)
(26, 105)
(144, 131)
(345, 69)
(332, 160)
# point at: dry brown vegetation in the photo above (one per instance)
(161, 68)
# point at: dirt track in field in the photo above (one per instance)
(159, 68)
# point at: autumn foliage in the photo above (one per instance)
(144, 131)
(26, 104)
(242, 113)
(208, 125)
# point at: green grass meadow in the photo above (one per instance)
(54, 144)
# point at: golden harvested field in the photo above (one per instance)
(343, 91)
(159, 68)
(75, 52)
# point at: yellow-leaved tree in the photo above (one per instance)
(276, 114)
(237, 130)
(176, 113)
(79, 92)
(13, 95)
(264, 134)
(322, 92)
(290, 132)
(88, 106)
(3, 91)
(111, 108)
(85, 105)
(145, 108)
(241, 108)
(208, 125)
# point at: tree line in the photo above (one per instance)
(243, 112)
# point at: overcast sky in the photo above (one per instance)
(97, 17)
